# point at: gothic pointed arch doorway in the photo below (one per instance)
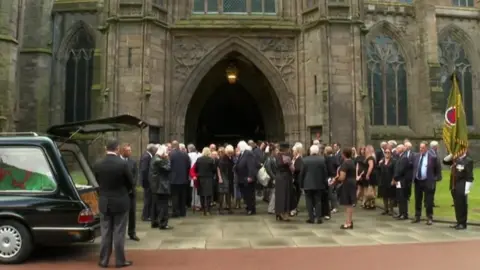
(222, 111)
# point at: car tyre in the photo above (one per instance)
(16, 234)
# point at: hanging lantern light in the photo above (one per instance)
(232, 74)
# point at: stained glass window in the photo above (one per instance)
(79, 78)
(387, 83)
(234, 6)
(463, 3)
(452, 58)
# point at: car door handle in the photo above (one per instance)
(44, 209)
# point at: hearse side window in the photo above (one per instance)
(25, 169)
(74, 168)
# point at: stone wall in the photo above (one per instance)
(10, 36)
(35, 67)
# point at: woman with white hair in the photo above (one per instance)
(225, 178)
(205, 170)
(246, 172)
(160, 187)
(297, 165)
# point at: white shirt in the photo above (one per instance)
(193, 157)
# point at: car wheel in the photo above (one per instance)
(15, 242)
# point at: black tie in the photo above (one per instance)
(419, 172)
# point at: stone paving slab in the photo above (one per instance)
(262, 231)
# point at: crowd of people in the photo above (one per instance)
(227, 178)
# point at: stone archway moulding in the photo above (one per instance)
(200, 60)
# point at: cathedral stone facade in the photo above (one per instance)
(349, 71)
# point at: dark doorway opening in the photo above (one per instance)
(230, 114)
(224, 112)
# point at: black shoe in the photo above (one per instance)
(134, 237)
(460, 227)
(146, 219)
(385, 213)
(309, 221)
(102, 265)
(429, 222)
(416, 220)
(125, 264)
(319, 221)
(166, 227)
(154, 225)
(402, 217)
(453, 226)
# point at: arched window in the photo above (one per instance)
(452, 58)
(387, 83)
(79, 77)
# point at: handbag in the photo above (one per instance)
(263, 177)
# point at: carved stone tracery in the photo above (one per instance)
(187, 53)
(281, 52)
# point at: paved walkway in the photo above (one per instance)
(262, 231)
(259, 242)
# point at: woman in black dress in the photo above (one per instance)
(370, 177)
(361, 169)
(205, 170)
(225, 178)
(386, 190)
(283, 182)
(297, 165)
(347, 175)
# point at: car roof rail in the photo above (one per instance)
(12, 134)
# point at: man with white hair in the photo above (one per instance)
(144, 174)
(246, 171)
(182, 147)
(314, 181)
(401, 179)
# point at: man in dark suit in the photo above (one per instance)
(461, 181)
(180, 168)
(426, 173)
(400, 177)
(115, 182)
(144, 172)
(126, 153)
(246, 172)
(314, 181)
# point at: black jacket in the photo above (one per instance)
(115, 183)
(160, 179)
(314, 174)
(145, 169)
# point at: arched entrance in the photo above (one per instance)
(222, 112)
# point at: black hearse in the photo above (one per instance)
(48, 194)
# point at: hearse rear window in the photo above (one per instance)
(25, 168)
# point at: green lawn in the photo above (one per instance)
(443, 199)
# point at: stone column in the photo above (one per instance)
(35, 66)
(428, 67)
(10, 18)
(343, 62)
